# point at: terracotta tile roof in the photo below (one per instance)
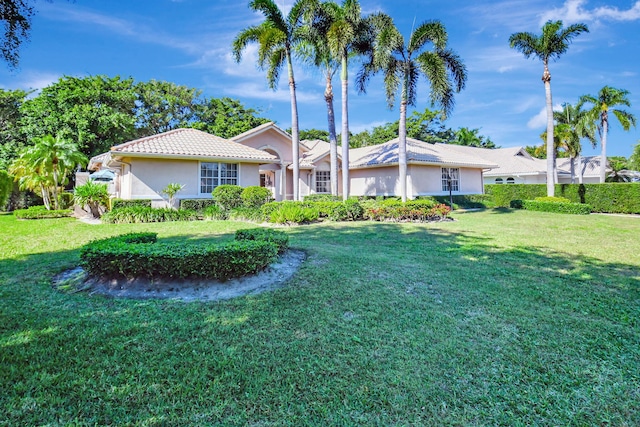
(317, 149)
(259, 129)
(96, 161)
(190, 143)
(418, 152)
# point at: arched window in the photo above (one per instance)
(499, 181)
(511, 180)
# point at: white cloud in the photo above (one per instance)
(34, 80)
(540, 120)
(573, 11)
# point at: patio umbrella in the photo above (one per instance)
(103, 175)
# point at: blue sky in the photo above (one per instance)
(188, 42)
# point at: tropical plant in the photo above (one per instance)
(276, 36)
(619, 170)
(472, 138)
(598, 116)
(350, 34)
(315, 50)
(92, 194)
(46, 166)
(171, 190)
(574, 117)
(634, 160)
(403, 63)
(550, 45)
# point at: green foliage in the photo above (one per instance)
(171, 190)
(138, 214)
(608, 197)
(468, 200)
(198, 205)
(407, 212)
(243, 213)
(280, 239)
(634, 159)
(65, 200)
(140, 255)
(92, 194)
(472, 138)
(13, 140)
(313, 134)
(215, 212)
(225, 117)
(556, 207)
(122, 203)
(322, 198)
(228, 196)
(349, 210)
(256, 196)
(6, 186)
(97, 112)
(162, 106)
(552, 199)
(41, 212)
(290, 213)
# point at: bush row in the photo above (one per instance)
(408, 213)
(140, 255)
(607, 197)
(122, 203)
(140, 214)
(41, 212)
(551, 206)
(198, 205)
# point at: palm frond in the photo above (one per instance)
(434, 68)
(428, 32)
(526, 43)
(625, 118)
(272, 14)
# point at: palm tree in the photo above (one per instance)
(46, 165)
(315, 48)
(598, 116)
(276, 37)
(349, 35)
(402, 65)
(574, 117)
(551, 44)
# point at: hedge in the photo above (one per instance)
(408, 213)
(280, 239)
(41, 212)
(138, 214)
(468, 200)
(122, 203)
(140, 255)
(556, 207)
(198, 205)
(607, 197)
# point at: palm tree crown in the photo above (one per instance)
(598, 116)
(402, 64)
(276, 37)
(550, 45)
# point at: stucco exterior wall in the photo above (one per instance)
(374, 182)
(145, 178)
(273, 140)
(525, 179)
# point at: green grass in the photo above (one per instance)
(500, 318)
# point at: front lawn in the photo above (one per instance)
(500, 318)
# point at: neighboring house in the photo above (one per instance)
(516, 166)
(262, 156)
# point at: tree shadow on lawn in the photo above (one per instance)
(385, 324)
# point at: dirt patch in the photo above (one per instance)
(273, 277)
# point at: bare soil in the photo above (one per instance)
(273, 277)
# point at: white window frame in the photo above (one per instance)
(326, 182)
(218, 179)
(455, 179)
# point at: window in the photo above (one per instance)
(451, 175)
(511, 180)
(499, 181)
(214, 174)
(323, 181)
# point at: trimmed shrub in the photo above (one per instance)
(139, 255)
(255, 196)
(139, 214)
(469, 201)
(349, 210)
(322, 198)
(215, 212)
(41, 212)
(122, 203)
(280, 239)
(503, 194)
(408, 213)
(198, 205)
(228, 196)
(552, 199)
(556, 207)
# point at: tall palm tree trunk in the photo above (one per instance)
(402, 144)
(344, 77)
(572, 166)
(580, 168)
(295, 132)
(551, 153)
(333, 140)
(603, 154)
